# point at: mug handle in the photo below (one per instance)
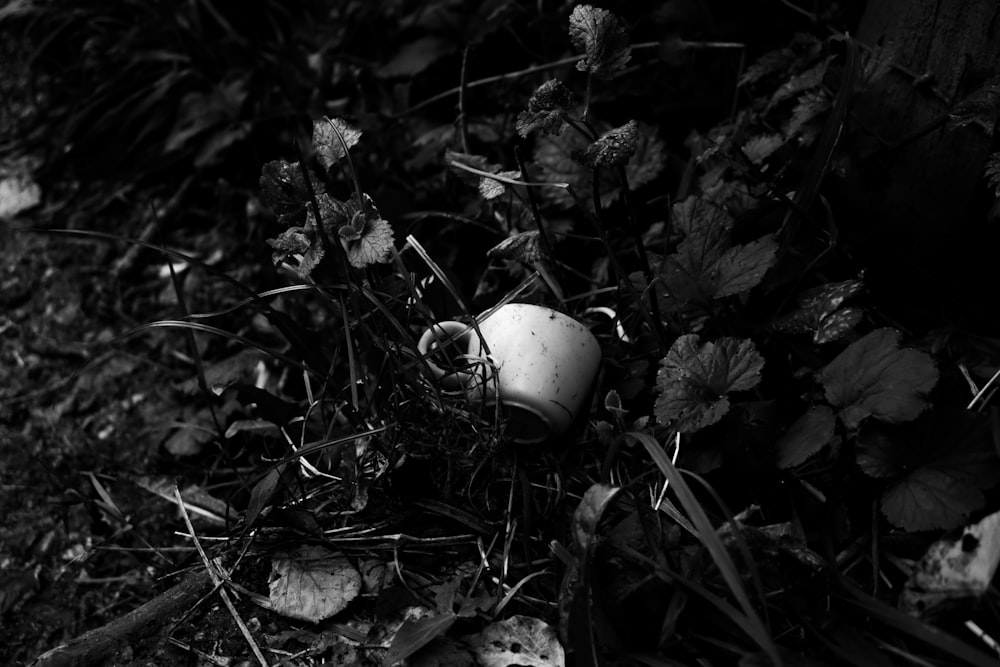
(436, 337)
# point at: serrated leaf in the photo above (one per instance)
(742, 267)
(283, 187)
(490, 188)
(694, 380)
(332, 138)
(874, 378)
(546, 109)
(698, 215)
(838, 324)
(771, 63)
(373, 247)
(992, 172)
(811, 105)
(706, 265)
(817, 313)
(931, 498)
(599, 34)
(312, 584)
(519, 640)
(880, 455)
(807, 80)
(522, 247)
(557, 155)
(981, 108)
(614, 148)
(806, 436)
(759, 148)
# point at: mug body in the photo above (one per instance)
(545, 362)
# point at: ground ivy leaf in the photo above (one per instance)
(556, 155)
(817, 312)
(759, 148)
(706, 265)
(490, 188)
(940, 495)
(599, 34)
(312, 584)
(523, 247)
(695, 213)
(373, 247)
(694, 380)
(837, 324)
(880, 453)
(742, 267)
(689, 274)
(283, 188)
(809, 434)
(546, 109)
(328, 145)
(614, 148)
(874, 378)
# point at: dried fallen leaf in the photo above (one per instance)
(519, 640)
(954, 568)
(312, 584)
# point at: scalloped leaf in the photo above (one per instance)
(808, 435)
(600, 35)
(332, 138)
(874, 378)
(695, 380)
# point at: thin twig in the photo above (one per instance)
(541, 68)
(212, 566)
(503, 179)
(543, 236)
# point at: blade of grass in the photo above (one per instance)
(912, 626)
(754, 625)
(181, 324)
(314, 357)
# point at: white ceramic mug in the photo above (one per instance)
(539, 364)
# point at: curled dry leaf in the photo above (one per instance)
(519, 640)
(954, 568)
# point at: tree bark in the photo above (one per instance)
(916, 202)
(926, 56)
(96, 646)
